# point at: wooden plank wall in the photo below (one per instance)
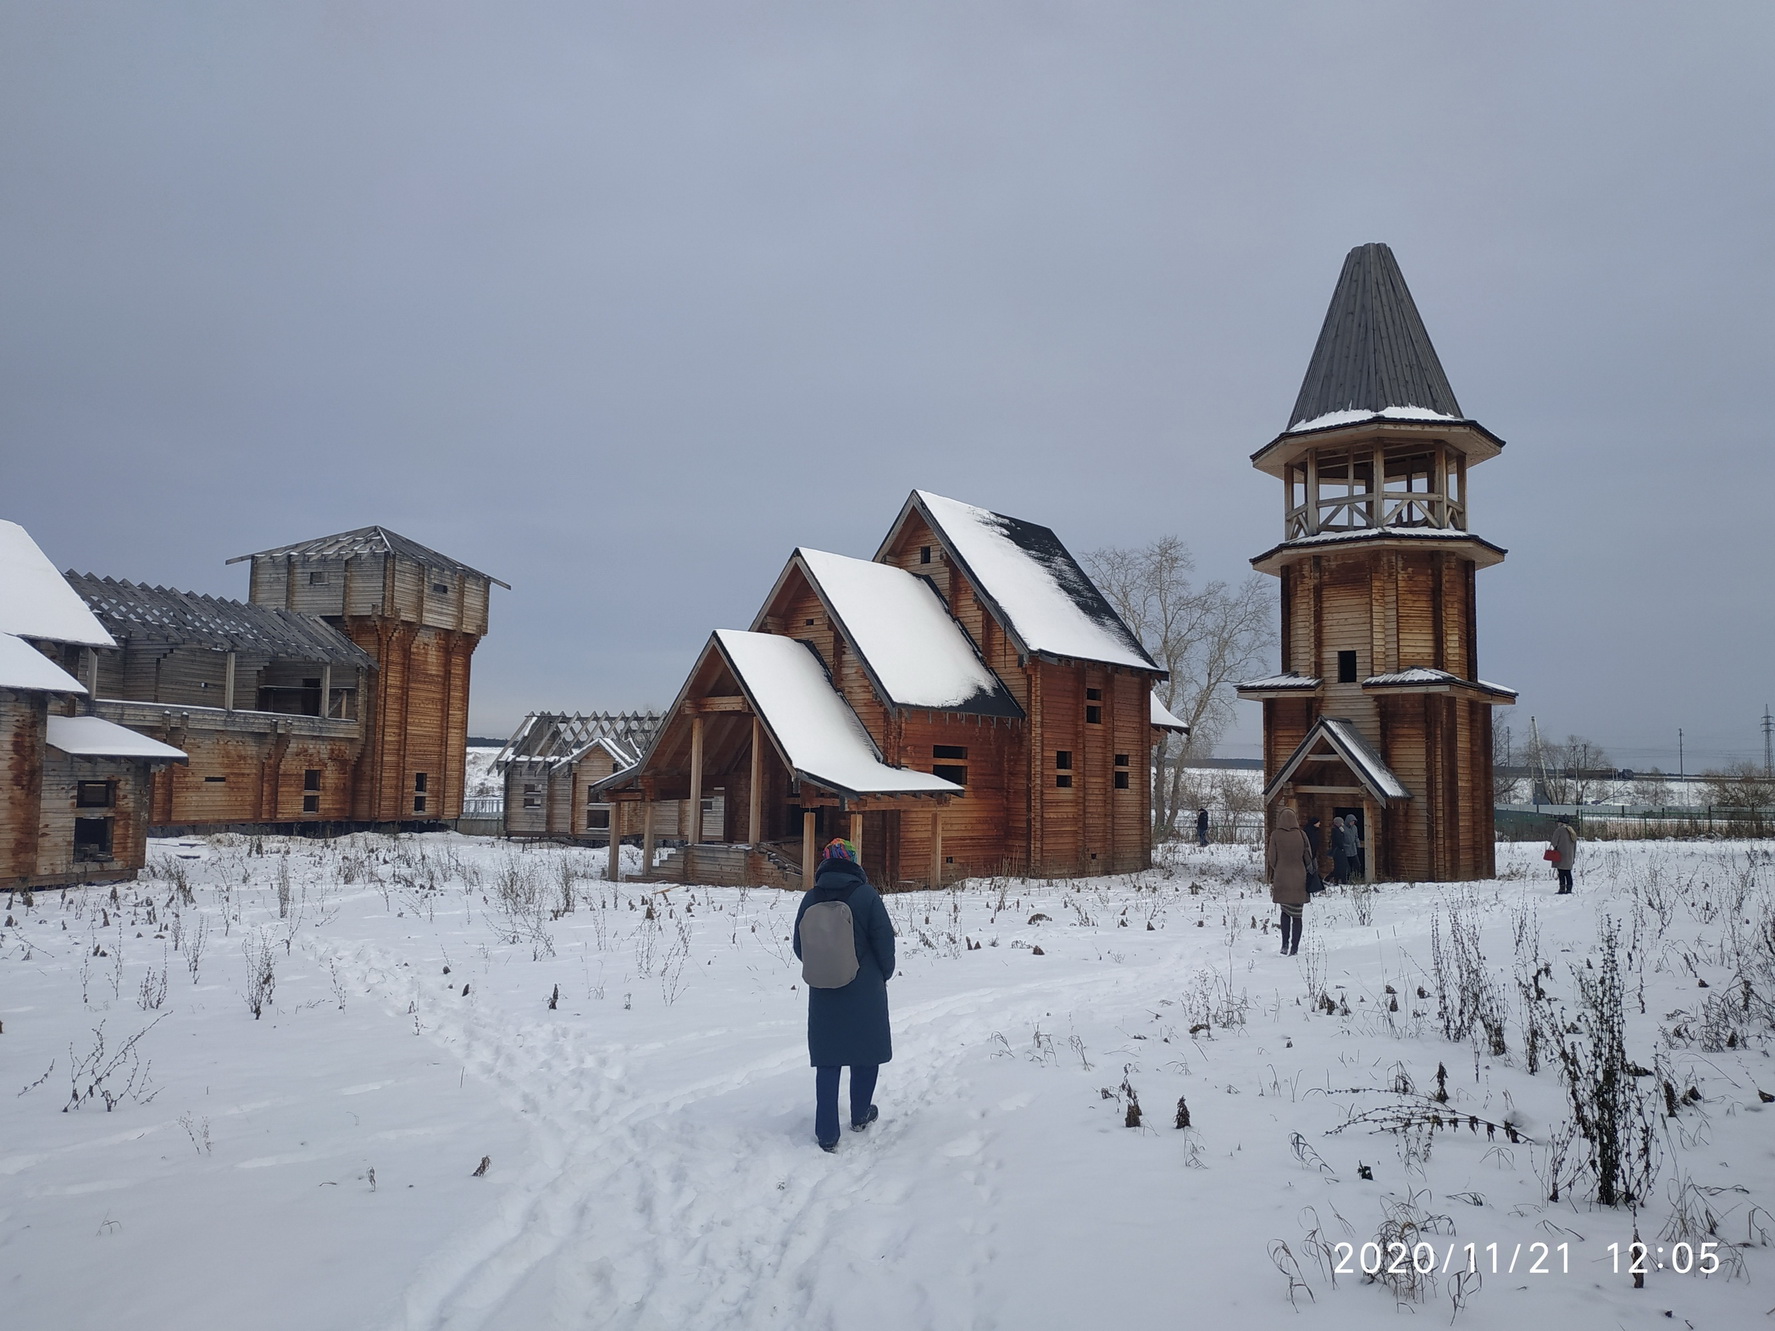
(22, 717)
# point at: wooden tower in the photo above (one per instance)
(1378, 710)
(419, 615)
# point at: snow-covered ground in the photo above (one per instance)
(636, 1084)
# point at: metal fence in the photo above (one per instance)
(1623, 822)
(483, 806)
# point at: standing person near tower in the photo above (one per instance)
(1288, 859)
(1340, 858)
(1563, 850)
(846, 944)
(1201, 827)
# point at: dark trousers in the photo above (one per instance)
(1565, 880)
(1291, 922)
(826, 1098)
(1201, 836)
(1340, 867)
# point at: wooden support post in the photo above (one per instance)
(937, 846)
(228, 681)
(89, 671)
(1371, 839)
(807, 848)
(647, 838)
(326, 689)
(755, 787)
(696, 780)
(614, 871)
(857, 833)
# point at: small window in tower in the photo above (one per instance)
(311, 804)
(1122, 780)
(1121, 760)
(807, 623)
(959, 775)
(419, 783)
(1093, 715)
(924, 554)
(214, 780)
(418, 804)
(311, 778)
(1094, 695)
(95, 795)
(1346, 667)
(1064, 781)
(1063, 760)
(949, 751)
(317, 577)
(440, 589)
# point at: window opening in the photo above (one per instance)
(317, 577)
(959, 775)
(949, 751)
(311, 804)
(440, 589)
(1064, 781)
(1121, 760)
(419, 782)
(1094, 695)
(1093, 715)
(924, 554)
(1063, 760)
(214, 780)
(92, 838)
(418, 804)
(311, 778)
(1122, 780)
(95, 795)
(1346, 667)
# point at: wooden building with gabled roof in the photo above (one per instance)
(1378, 711)
(964, 703)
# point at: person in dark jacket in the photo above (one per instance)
(848, 1027)
(1288, 859)
(1201, 827)
(1340, 860)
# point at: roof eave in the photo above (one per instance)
(1484, 554)
(1476, 442)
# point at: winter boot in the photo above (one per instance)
(866, 1120)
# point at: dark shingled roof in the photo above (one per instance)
(137, 613)
(1373, 351)
(370, 541)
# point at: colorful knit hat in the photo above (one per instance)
(840, 849)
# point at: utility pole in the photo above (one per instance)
(1768, 742)
(1679, 752)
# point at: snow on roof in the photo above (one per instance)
(370, 541)
(1332, 418)
(36, 601)
(618, 753)
(1386, 533)
(1164, 719)
(916, 653)
(549, 737)
(1284, 681)
(28, 670)
(95, 737)
(1427, 675)
(1364, 763)
(1043, 596)
(813, 726)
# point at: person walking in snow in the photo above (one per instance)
(1340, 860)
(1201, 827)
(847, 974)
(1565, 850)
(1288, 859)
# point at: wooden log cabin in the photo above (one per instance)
(1378, 711)
(336, 697)
(964, 703)
(550, 768)
(74, 787)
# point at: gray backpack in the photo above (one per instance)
(828, 945)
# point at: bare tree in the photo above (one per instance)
(1575, 772)
(1205, 637)
(1652, 789)
(1504, 754)
(1740, 785)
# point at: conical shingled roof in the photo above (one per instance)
(1373, 352)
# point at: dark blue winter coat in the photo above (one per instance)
(848, 1027)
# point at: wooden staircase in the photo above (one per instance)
(720, 864)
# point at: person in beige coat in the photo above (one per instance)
(1565, 847)
(1287, 861)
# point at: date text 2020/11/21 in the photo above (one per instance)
(1374, 1258)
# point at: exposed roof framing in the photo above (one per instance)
(1341, 741)
(143, 614)
(1373, 350)
(370, 541)
(550, 737)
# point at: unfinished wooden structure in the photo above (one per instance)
(551, 766)
(1378, 711)
(964, 703)
(73, 786)
(335, 697)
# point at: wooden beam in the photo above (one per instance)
(755, 789)
(228, 667)
(807, 848)
(326, 689)
(937, 847)
(857, 832)
(708, 706)
(1371, 839)
(614, 870)
(696, 781)
(1327, 790)
(646, 837)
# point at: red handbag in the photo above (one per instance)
(1550, 854)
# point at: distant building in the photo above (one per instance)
(964, 703)
(1378, 711)
(335, 697)
(74, 787)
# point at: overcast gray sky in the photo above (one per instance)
(621, 302)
